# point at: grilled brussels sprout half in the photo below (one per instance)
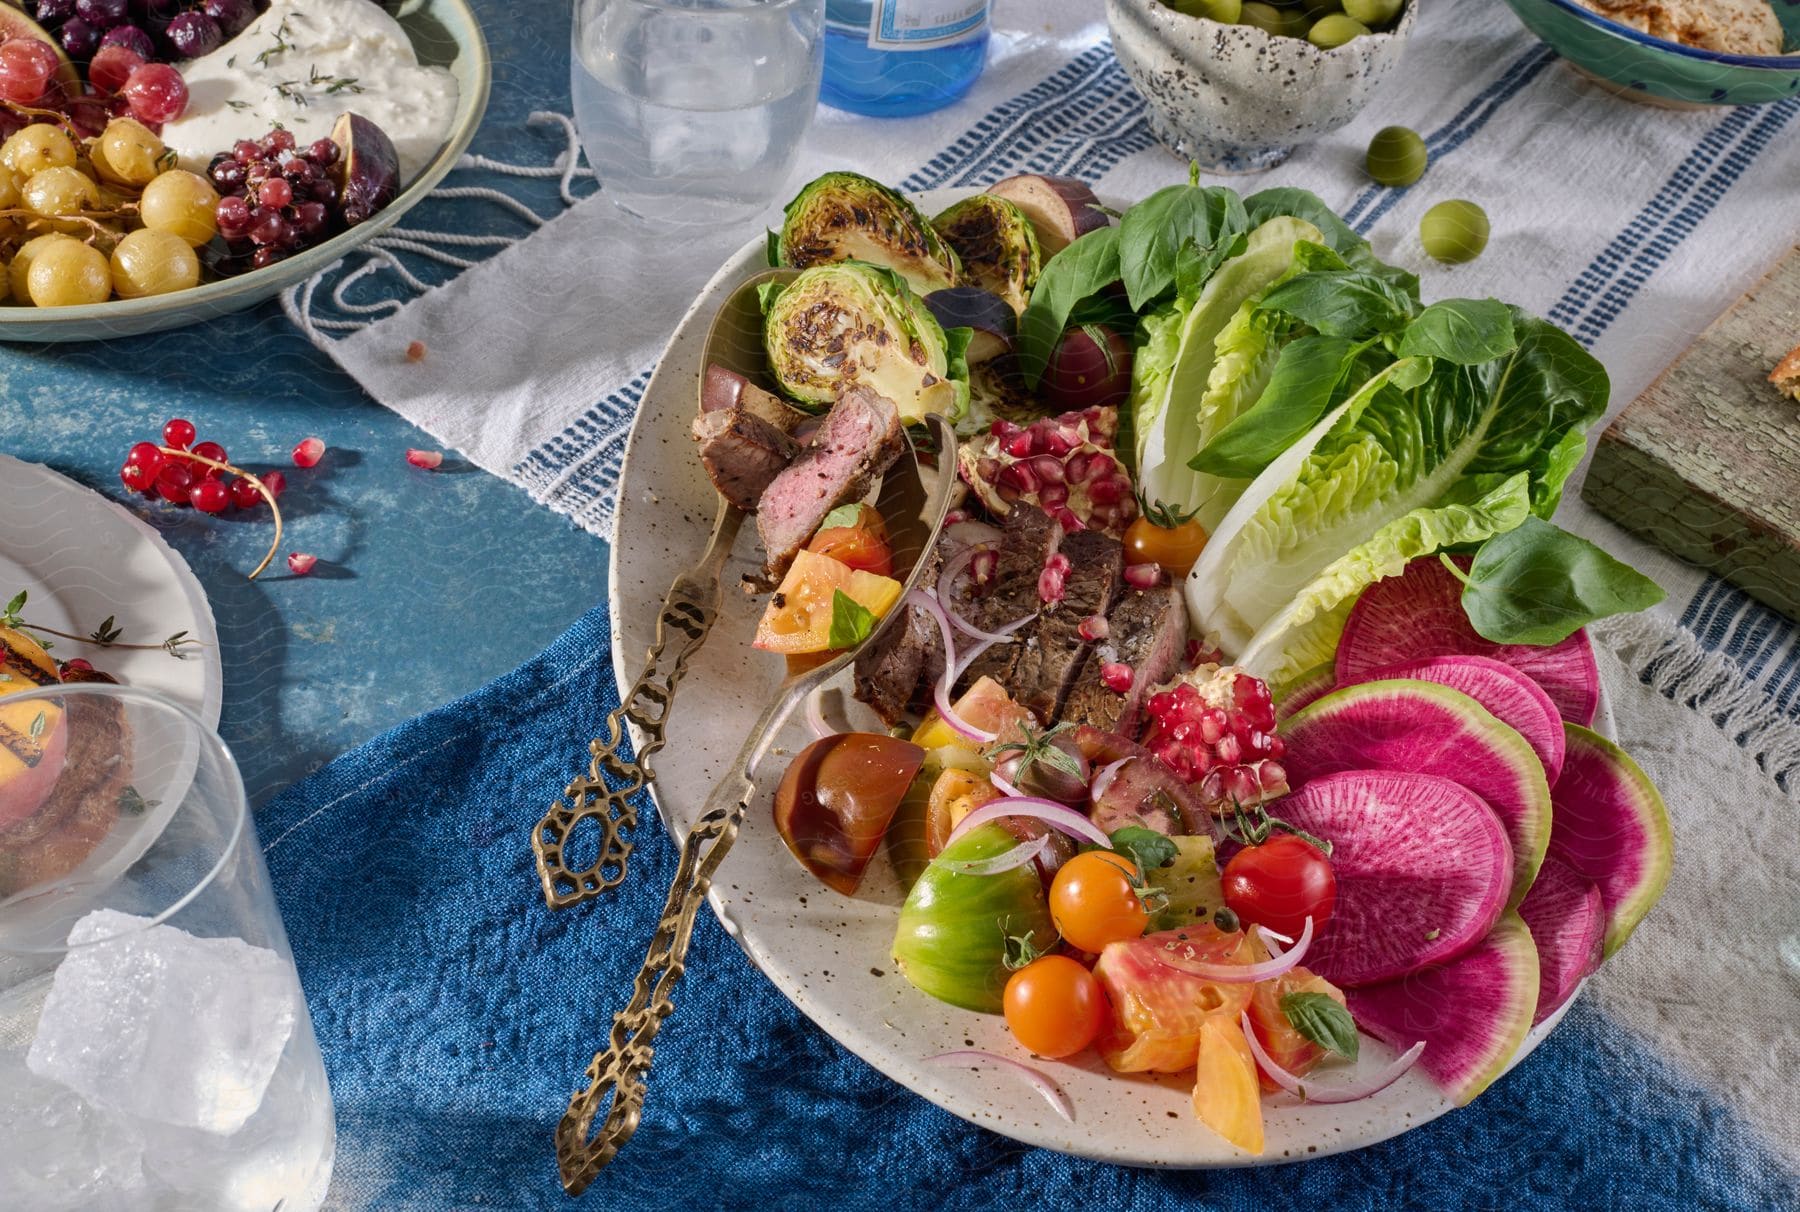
(997, 245)
(848, 217)
(835, 325)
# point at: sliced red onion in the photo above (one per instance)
(1005, 787)
(815, 714)
(1059, 1102)
(1232, 974)
(940, 694)
(1353, 1092)
(1006, 860)
(1104, 780)
(1060, 817)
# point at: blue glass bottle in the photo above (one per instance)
(890, 58)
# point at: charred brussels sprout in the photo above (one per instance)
(836, 325)
(997, 246)
(847, 217)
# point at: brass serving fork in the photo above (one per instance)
(689, 610)
(914, 498)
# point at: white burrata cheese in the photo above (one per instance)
(300, 65)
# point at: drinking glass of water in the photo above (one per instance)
(692, 111)
(155, 1050)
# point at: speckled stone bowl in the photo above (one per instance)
(1239, 100)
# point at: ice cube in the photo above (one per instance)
(163, 1025)
(59, 1154)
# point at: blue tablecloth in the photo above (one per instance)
(457, 1014)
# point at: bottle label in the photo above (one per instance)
(923, 24)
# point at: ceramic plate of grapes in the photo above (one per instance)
(162, 163)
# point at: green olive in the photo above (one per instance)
(1454, 232)
(1282, 22)
(1223, 11)
(1397, 156)
(1376, 14)
(1335, 30)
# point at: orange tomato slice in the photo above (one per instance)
(798, 618)
(1226, 1096)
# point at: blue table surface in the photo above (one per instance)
(429, 584)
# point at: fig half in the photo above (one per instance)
(368, 170)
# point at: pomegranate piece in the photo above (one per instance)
(1064, 465)
(308, 452)
(430, 460)
(300, 563)
(1215, 727)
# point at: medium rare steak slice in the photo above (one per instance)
(1045, 666)
(742, 453)
(898, 666)
(1028, 539)
(859, 440)
(1147, 631)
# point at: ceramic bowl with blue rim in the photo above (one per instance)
(1236, 99)
(1661, 72)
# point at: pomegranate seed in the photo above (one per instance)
(983, 566)
(987, 468)
(1066, 518)
(1019, 446)
(1047, 468)
(1054, 578)
(300, 563)
(178, 433)
(415, 351)
(1105, 491)
(173, 482)
(147, 455)
(1117, 676)
(210, 496)
(137, 477)
(274, 481)
(1214, 726)
(430, 460)
(1277, 747)
(1094, 627)
(952, 517)
(1003, 429)
(1143, 576)
(1273, 778)
(1161, 703)
(1230, 750)
(308, 452)
(1076, 470)
(1053, 496)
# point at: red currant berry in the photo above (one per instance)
(300, 563)
(173, 483)
(209, 496)
(308, 452)
(137, 477)
(244, 494)
(78, 665)
(213, 451)
(178, 433)
(147, 455)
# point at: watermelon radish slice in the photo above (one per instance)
(1511, 697)
(1472, 1013)
(1420, 614)
(1612, 828)
(1568, 925)
(1304, 690)
(1424, 728)
(1423, 870)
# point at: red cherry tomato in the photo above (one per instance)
(1054, 1006)
(862, 546)
(1281, 883)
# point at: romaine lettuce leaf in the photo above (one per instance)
(1172, 369)
(1304, 634)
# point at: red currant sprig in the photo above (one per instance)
(184, 476)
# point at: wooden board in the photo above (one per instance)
(1706, 463)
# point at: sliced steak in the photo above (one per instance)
(1044, 667)
(742, 453)
(723, 390)
(1147, 630)
(1028, 539)
(899, 665)
(859, 440)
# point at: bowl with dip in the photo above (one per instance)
(421, 74)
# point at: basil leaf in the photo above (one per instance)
(1349, 303)
(1155, 235)
(1084, 268)
(1304, 204)
(851, 621)
(1307, 382)
(1148, 848)
(1319, 1019)
(1539, 584)
(841, 517)
(1463, 331)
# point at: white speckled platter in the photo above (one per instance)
(829, 953)
(82, 557)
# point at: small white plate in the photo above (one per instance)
(81, 558)
(829, 954)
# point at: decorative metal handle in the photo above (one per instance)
(604, 793)
(619, 1072)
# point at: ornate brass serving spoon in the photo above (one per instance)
(913, 500)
